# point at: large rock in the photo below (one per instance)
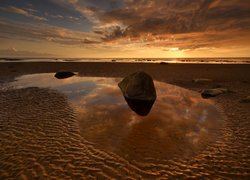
(139, 92)
(64, 74)
(138, 86)
(206, 93)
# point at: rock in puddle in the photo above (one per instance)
(138, 86)
(207, 93)
(202, 80)
(64, 74)
(139, 92)
(245, 100)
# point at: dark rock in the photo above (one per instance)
(245, 100)
(163, 63)
(139, 92)
(63, 75)
(141, 107)
(138, 86)
(245, 81)
(202, 80)
(207, 93)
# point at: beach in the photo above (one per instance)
(40, 135)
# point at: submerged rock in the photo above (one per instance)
(64, 74)
(139, 91)
(202, 80)
(206, 93)
(245, 100)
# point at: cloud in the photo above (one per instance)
(12, 52)
(90, 9)
(89, 12)
(137, 24)
(43, 32)
(201, 40)
(180, 16)
(55, 16)
(27, 13)
(73, 18)
(155, 23)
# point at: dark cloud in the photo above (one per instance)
(115, 33)
(177, 17)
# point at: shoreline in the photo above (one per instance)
(201, 60)
(190, 71)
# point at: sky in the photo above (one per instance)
(125, 28)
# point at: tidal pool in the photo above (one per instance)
(180, 123)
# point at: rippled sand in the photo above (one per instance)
(39, 137)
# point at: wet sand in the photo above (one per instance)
(40, 137)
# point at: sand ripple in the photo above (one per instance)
(40, 138)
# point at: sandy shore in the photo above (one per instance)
(37, 140)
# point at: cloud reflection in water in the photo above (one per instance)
(180, 122)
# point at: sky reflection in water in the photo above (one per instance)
(179, 123)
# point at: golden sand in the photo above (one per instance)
(40, 138)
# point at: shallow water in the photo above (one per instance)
(180, 123)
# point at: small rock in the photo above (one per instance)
(206, 93)
(63, 75)
(202, 80)
(245, 81)
(163, 63)
(245, 100)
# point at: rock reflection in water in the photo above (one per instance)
(141, 107)
(180, 123)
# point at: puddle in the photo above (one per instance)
(180, 123)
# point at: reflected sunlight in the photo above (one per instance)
(181, 123)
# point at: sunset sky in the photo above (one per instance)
(125, 28)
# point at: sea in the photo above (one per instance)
(136, 60)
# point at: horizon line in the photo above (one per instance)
(22, 57)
